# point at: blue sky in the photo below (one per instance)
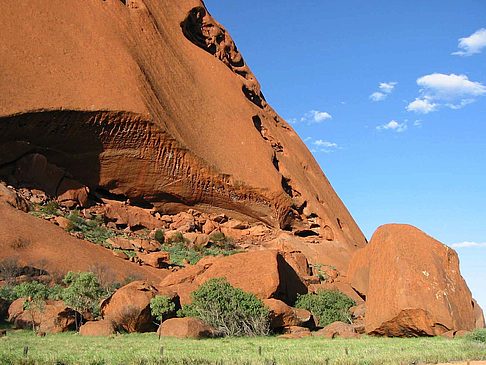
(391, 98)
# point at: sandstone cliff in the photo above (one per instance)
(151, 101)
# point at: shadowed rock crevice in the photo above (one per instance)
(205, 32)
(96, 148)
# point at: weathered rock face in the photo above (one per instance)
(75, 118)
(412, 284)
(129, 307)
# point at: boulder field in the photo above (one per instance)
(143, 117)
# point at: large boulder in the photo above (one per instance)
(100, 328)
(264, 273)
(412, 283)
(51, 317)
(185, 328)
(129, 307)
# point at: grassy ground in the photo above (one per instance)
(146, 349)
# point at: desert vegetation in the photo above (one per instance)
(229, 310)
(327, 306)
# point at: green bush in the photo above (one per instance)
(83, 292)
(231, 311)
(161, 306)
(93, 230)
(478, 335)
(327, 306)
(33, 289)
(159, 236)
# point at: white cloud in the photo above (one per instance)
(318, 116)
(468, 244)
(393, 126)
(473, 44)
(385, 89)
(449, 87)
(321, 143)
(417, 123)
(377, 96)
(422, 106)
(452, 91)
(312, 117)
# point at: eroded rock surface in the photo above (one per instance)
(78, 120)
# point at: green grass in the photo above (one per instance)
(137, 349)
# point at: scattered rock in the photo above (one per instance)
(62, 222)
(10, 197)
(103, 328)
(282, 315)
(71, 194)
(295, 332)
(337, 329)
(120, 243)
(185, 328)
(159, 260)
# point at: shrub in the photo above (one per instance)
(20, 243)
(10, 269)
(161, 306)
(327, 306)
(478, 335)
(231, 311)
(159, 236)
(7, 293)
(93, 230)
(50, 209)
(36, 295)
(83, 292)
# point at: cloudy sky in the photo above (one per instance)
(391, 99)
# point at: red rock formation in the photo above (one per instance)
(54, 317)
(97, 328)
(282, 315)
(129, 307)
(185, 328)
(48, 247)
(170, 117)
(264, 273)
(412, 284)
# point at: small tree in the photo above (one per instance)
(83, 293)
(327, 306)
(35, 295)
(231, 311)
(161, 306)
